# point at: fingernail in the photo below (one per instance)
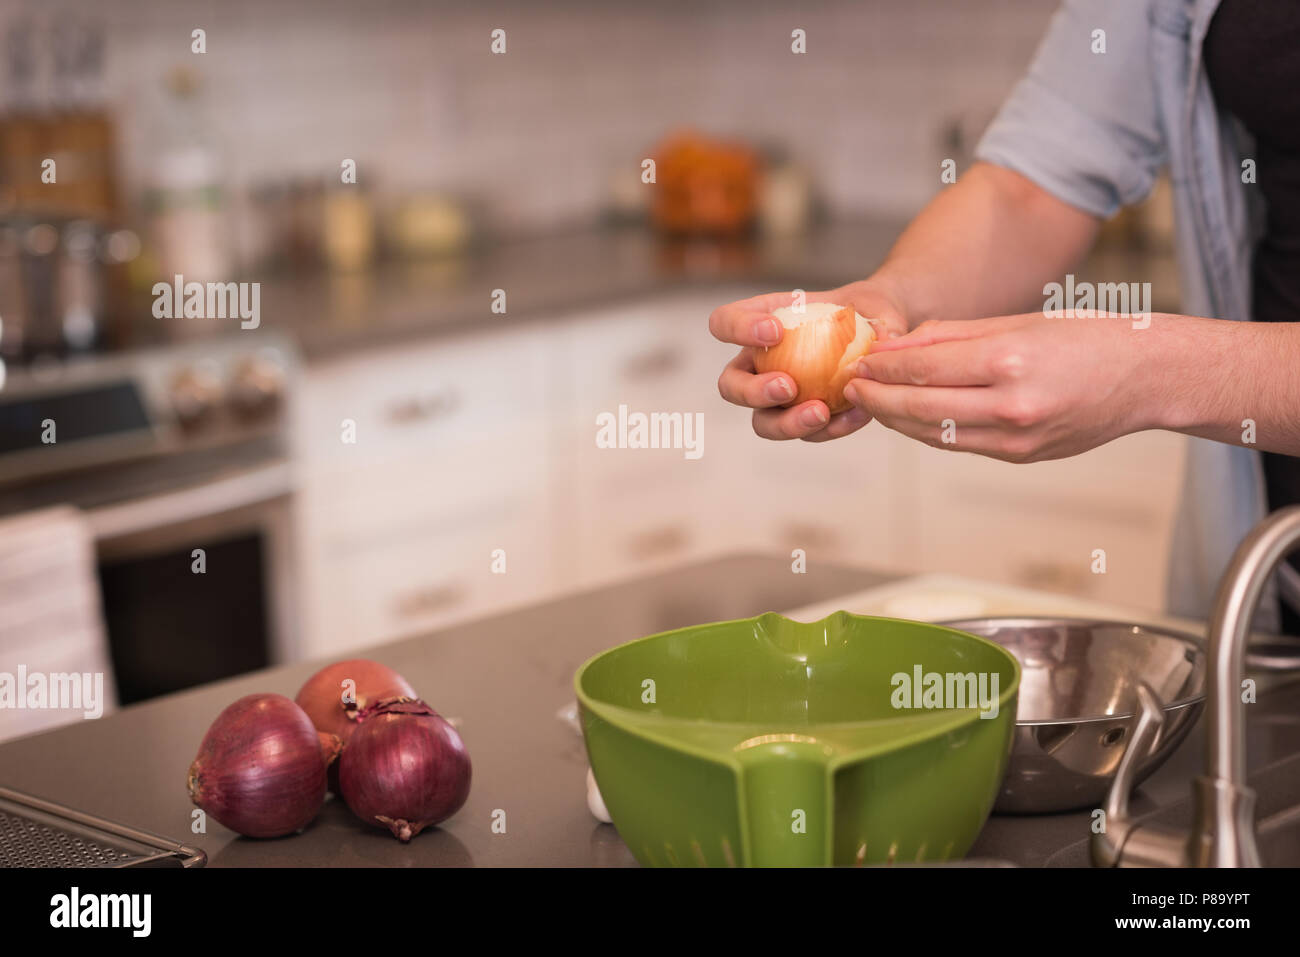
(863, 371)
(851, 394)
(780, 390)
(814, 415)
(767, 330)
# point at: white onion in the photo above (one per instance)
(821, 344)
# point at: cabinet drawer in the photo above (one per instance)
(482, 479)
(426, 581)
(1137, 472)
(1051, 548)
(652, 354)
(861, 464)
(834, 500)
(621, 529)
(409, 403)
(1037, 524)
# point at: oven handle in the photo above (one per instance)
(250, 488)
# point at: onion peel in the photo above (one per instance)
(818, 350)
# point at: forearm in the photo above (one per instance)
(1231, 381)
(984, 247)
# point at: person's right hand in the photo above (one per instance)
(750, 323)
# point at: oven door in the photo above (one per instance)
(197, 583)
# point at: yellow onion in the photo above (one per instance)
(818, 349)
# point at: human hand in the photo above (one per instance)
(749, 323)
(1018, 388)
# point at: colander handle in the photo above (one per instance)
(785, 787)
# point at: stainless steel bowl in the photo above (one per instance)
(1078, 698)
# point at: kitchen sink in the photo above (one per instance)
(1279, 831)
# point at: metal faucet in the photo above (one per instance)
(1223, 829)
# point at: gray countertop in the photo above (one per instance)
(332, 315)
(545, 276)
(505, 678)
(556, 275)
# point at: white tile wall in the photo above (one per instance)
(410, 90)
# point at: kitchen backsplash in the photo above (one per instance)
(411, 91)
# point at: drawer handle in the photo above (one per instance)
(427, 601)
(654, 364)
(809, 535)
(1054, 576)
(421, 408)
(658, 541)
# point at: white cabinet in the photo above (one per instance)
(424, 576)
(415, 403)
(1095, 525)
(419, 465)
(631, 510)
(834, 500)
(488, 441)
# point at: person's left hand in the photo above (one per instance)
(1017, 388)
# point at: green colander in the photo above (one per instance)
(771, 742)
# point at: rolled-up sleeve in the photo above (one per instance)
(1083, 125)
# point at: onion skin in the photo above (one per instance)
(260, 770)
(321, 696)
(405, 769)
(330, 747)
(819, 355)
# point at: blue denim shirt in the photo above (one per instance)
(1095, 129)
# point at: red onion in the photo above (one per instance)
(322, 694)
(405, 768)
(260, 770)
